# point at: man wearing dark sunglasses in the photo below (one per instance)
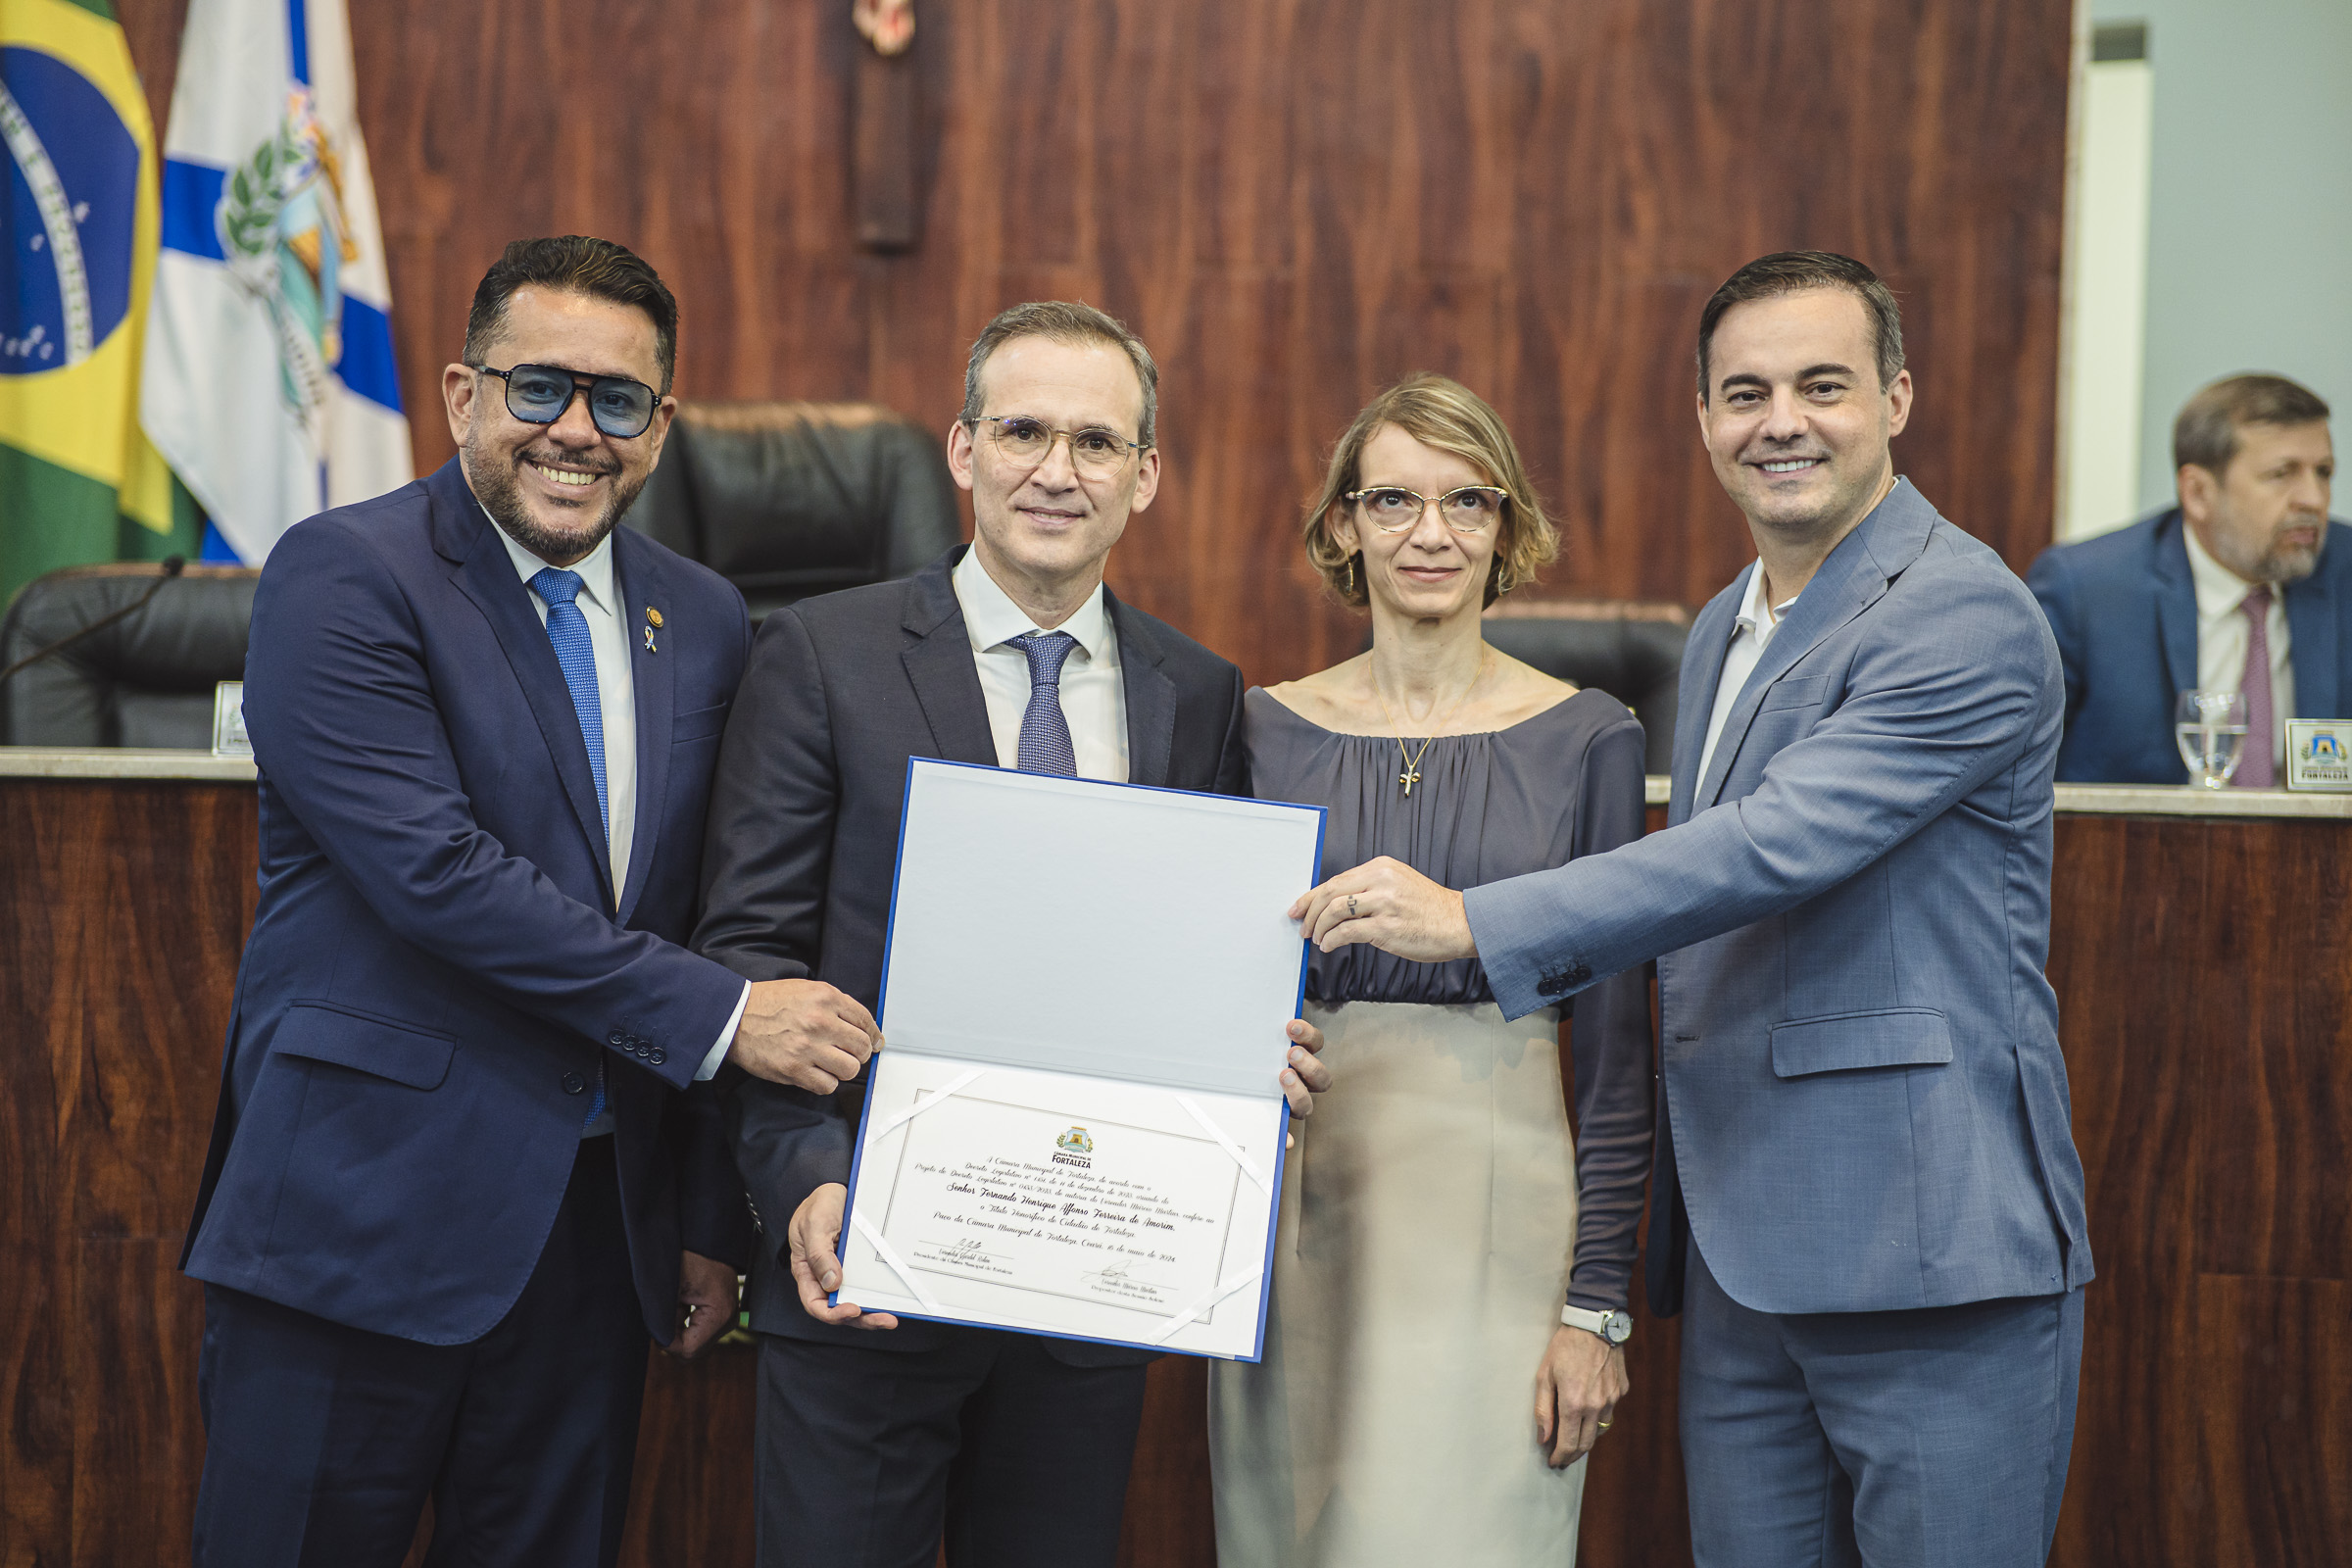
(465, 1159)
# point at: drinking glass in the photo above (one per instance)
(2210, 730)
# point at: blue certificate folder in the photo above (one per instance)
(1085, 991)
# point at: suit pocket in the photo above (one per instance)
(416, 1057)
(1796, 691)
(1893, 1037)
(699, 725)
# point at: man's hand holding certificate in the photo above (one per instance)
(1079, 1126)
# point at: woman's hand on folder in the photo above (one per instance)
(804, 1033)
(815, 1239)
(1307, 1075)
(1389, 904)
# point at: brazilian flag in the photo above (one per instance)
(78, 482)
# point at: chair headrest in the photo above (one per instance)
(1631, 649)
(188, 638)
(791, 499)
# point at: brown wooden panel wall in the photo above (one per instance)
(2207, 1015)
(1294, 201)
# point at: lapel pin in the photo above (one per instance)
(652, 622)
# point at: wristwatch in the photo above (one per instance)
(1613, 1327)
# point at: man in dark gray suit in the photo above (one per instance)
(1011, 653)
(1867, 1203)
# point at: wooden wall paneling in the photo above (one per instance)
(2274, 1121)
(37, 1292)
(693, 1498)
(2132, 889)
(2272, 1481)
(1170, 1520)
(1294, 201)
(1636, 1508)
(123, 909)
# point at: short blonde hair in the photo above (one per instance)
(1437, 411)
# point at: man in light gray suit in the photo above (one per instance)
(1866, 1201)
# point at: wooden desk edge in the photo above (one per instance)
(2073, 799)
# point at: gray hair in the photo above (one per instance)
(2206, 432)
(1064, 321)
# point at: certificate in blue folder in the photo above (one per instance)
(1075, 1127)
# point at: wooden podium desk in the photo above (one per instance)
(2202, 952)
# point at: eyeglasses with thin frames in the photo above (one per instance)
(1025, 443)
(1393, 508)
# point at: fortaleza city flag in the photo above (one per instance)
(269, 385)
(77, 258)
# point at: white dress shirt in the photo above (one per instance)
(616, 698)
(1093, 696)
(616, 687)
(2222, 635)
(1752, 631)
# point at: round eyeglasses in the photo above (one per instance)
(1024, 444)
(539, 394)
(1393, 508)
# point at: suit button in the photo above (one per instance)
(573, 1083)
(617, 1038)
(1580, 974)
(656, 1055)
(1548, 986)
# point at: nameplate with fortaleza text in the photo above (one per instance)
(2319, 753)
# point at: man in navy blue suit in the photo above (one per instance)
(878, 1438)
(2244, 586)
(463, 1163)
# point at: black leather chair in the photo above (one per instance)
(146, 680)
(791, 499)
(1631, 649)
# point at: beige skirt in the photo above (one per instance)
(1428, 1220)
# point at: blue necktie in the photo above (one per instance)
(568, 629)
(1045, 733)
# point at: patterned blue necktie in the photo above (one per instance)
(568, 629)
(1045, 733)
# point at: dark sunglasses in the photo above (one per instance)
(539, 394)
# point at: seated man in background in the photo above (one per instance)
(2233, 589)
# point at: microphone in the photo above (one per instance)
(172, 566)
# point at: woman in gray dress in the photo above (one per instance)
(1422, 1399)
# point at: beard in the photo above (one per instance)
(2285, 564)
(496, 486)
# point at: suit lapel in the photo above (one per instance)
(941, 668)
(1150, 695)
(2175, 606)
(2311, 647)
(485, 574)
(1702, 667)
(640, 583)
(1854, 576)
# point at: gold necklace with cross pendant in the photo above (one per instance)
(1411, 775)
